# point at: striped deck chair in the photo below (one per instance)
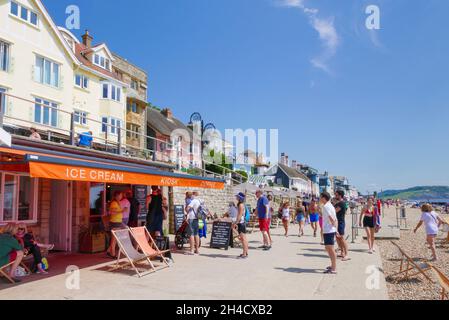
(134, 257)
(411, 266)
(443, 281)
(146, 243)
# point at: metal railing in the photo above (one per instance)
(112, 138)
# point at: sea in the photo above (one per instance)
(432, 200)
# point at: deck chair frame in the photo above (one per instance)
(153, 244)
(131, 262)
(443, 282)
(410, 266)
(3, 272)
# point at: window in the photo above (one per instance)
(46, 72)
(33, 18)
(103, 62)
(4, 56)
(18, 199)
(25, 14)
(14, 8)
(2, 100)
(97, 199)
(132, 107)
(112, 92)
(81, 81)
(45, 112)
(134, 84)
(80, 117)
(132, 131)
(111, 125)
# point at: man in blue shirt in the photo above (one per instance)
(262, 210)
(85, 139)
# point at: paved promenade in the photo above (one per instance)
(291, 270)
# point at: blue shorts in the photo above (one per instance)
(341, 228)
(193, 228)
(300, 218)
(314, 217)
(329, 239)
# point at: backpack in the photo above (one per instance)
(201, 213)
(247, 215)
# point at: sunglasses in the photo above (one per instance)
(21, 229)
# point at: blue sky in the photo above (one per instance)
(371, 105)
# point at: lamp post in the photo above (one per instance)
(197, 118)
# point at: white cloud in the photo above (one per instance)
(326, 31)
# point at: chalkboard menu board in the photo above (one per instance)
(179, 217)
(221, 234)
(140, 193)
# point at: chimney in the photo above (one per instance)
(87, 39)
(283, 158)
(167, 113)
(294, 164)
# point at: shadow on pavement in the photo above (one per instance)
(300, 270)
(309, 255)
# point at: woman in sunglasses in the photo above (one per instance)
(30, 245)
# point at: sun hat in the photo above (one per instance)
(241, 196)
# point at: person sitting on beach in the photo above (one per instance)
(31, 246)
(432, 222)
(10, 250)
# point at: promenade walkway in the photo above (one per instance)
(291, 270)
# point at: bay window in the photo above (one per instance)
(46, 72)
(18, 198)
(112, 92)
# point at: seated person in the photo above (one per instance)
(10, 250)
(27, 241)
(85, 139)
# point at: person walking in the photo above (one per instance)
(192, 218)
(329, 230)
(314, 216)
(270, 219)
(432, 223)
(367, 221)
(341, 208)
(262, 211)
(155, 215)
(301, 219)
(240, 224)
(285, 211)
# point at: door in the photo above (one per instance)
(61, 215)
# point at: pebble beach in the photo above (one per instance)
(417, 287)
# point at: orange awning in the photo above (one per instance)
(40, 165)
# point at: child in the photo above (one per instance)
(432, 222)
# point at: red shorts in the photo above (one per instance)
(12, 256)
(263, 225)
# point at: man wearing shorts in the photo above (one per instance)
(262, 210)
(329, 230)
(193, 228)
(340, 208)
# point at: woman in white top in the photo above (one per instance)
(285, 210)
(432, 222)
